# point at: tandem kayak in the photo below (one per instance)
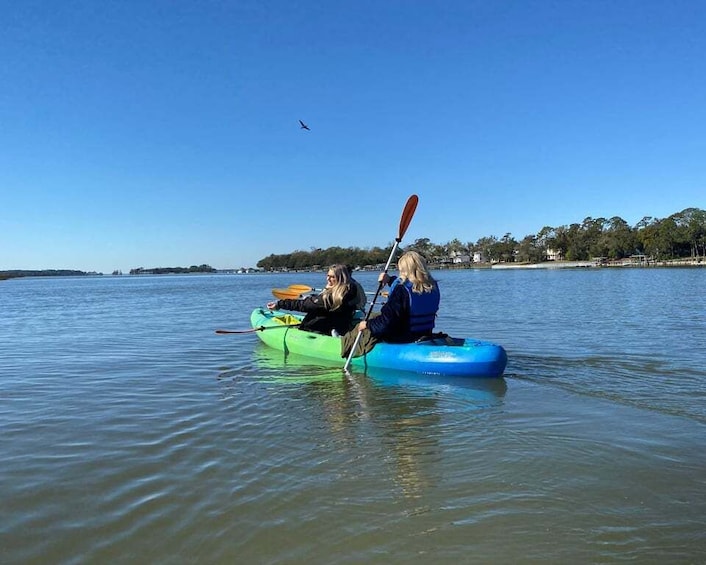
(442, 356)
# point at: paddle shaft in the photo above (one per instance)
(405, 220)
(370, 309)
(258, 329)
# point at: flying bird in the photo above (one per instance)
(304, 126)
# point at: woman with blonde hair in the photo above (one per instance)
(329, 313)
(412, 303)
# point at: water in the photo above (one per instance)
(131, 433)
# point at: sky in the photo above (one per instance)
(166, 133)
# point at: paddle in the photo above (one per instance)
(405, 220)
(285, 293)
(303, 289)
(259, 329)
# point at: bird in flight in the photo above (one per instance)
(304, 126)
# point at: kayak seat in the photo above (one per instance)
(441, 338)
(287, 319)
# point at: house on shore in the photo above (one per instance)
(555, 255)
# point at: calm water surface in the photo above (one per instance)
(131, 433)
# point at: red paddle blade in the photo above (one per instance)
(407, 215)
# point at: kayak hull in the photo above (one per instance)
(463, 358)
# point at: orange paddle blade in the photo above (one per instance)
(285, 293)
(300, 288)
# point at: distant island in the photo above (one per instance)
(17, 273)
(173, 270)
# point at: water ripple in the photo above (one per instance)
(131, 433)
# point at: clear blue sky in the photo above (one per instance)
(165, 133)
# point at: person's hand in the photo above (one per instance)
(271, 305)
(362, 326)
(384, 278)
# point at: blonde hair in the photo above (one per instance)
(413, 268)
(333, 295)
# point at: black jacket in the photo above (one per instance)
(318, 317)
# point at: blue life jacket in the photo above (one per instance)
(422, 308)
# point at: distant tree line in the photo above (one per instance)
(682, 234)
(15, 273)
(317, 257)
(173, 270)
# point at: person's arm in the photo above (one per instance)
(392, 315)
(386, 279)
(308, 304)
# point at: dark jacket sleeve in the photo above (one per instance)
(393, 317)
(319, 318)
(316, 304)
(308, 304)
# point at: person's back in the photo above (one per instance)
(360, 299)
(411, 307)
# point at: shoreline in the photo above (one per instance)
(679, 264)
